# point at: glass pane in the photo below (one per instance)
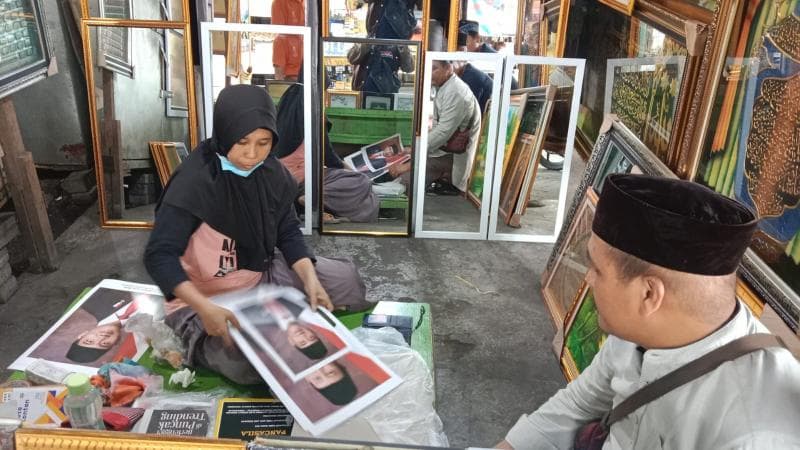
(135, 111)
(494, 18)
(454, 179)
(632, 69)
(171, 10)
(367, 164)
(20, 43)
(535, 143)
(355, 18)
(751, 150)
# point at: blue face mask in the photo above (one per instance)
(230, 167)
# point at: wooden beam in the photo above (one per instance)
(111, 148)
(26, 191)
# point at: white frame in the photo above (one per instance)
(206, 52)
(511, 61)
(427, 111)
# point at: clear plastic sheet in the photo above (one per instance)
(406, 415)
(166, 345)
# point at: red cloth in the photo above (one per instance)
(121, 418)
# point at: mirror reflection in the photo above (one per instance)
(535, 144)
(368, 145)
(379, 19)
(249, 58)
(171, 10)
(457, 140)
(136, 105)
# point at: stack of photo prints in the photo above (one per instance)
(320, 372)
(374, 160)
(313, 364)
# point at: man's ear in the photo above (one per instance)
(652, 294)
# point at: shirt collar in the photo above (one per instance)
(659, 362)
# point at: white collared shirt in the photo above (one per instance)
(751, 402)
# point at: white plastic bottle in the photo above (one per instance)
(83, 404)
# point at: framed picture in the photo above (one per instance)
(617, 150)
(516, 107)
(747, 155)
(641, 92)
(564, 281)
(583, 336)
(403, 101)
(650, 96)
(475, 183)
(342, 99)
(177, 101)
(25, 49)
(384, 102)
(167, 157)
(623, 6)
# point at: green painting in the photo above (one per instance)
(475, 188)
(584, 338)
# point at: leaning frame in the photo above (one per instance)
(206, 51)
(421, 157)
(86, 25)
(577, 87)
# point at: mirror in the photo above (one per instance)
(171, 10)
(453, 188)
(243, 54)
(133, 106)
(369, 141)
(534, 151)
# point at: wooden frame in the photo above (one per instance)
(60, 438)
(345, 96)
(167, 157)
(616, 134)
(690, 25)
(110, 195)
(583, 309)
(579, 229)
(623, 6)
(369, 100)
(732, 99)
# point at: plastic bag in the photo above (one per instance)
(405, 415)
(165, 343)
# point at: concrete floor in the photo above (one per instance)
(492, 333)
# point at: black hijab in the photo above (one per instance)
(247, 209)
(290, 125)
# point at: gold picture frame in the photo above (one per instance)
(347, 97)
(167, 157)
(61, 438)
(110, 198)
(623, 6)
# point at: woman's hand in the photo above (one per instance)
(314, 290)
(215, 321)
(215, 318)
(317, 295)
(399, 169)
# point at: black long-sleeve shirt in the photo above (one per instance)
(174, 227)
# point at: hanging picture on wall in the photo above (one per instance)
(403, 101)
(23, 42)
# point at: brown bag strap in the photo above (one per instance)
(690, 371)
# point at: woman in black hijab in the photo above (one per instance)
(226, 222)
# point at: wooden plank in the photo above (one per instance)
(26, 191)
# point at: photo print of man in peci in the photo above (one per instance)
(298, 341)
(663, 257)
(93, 334)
